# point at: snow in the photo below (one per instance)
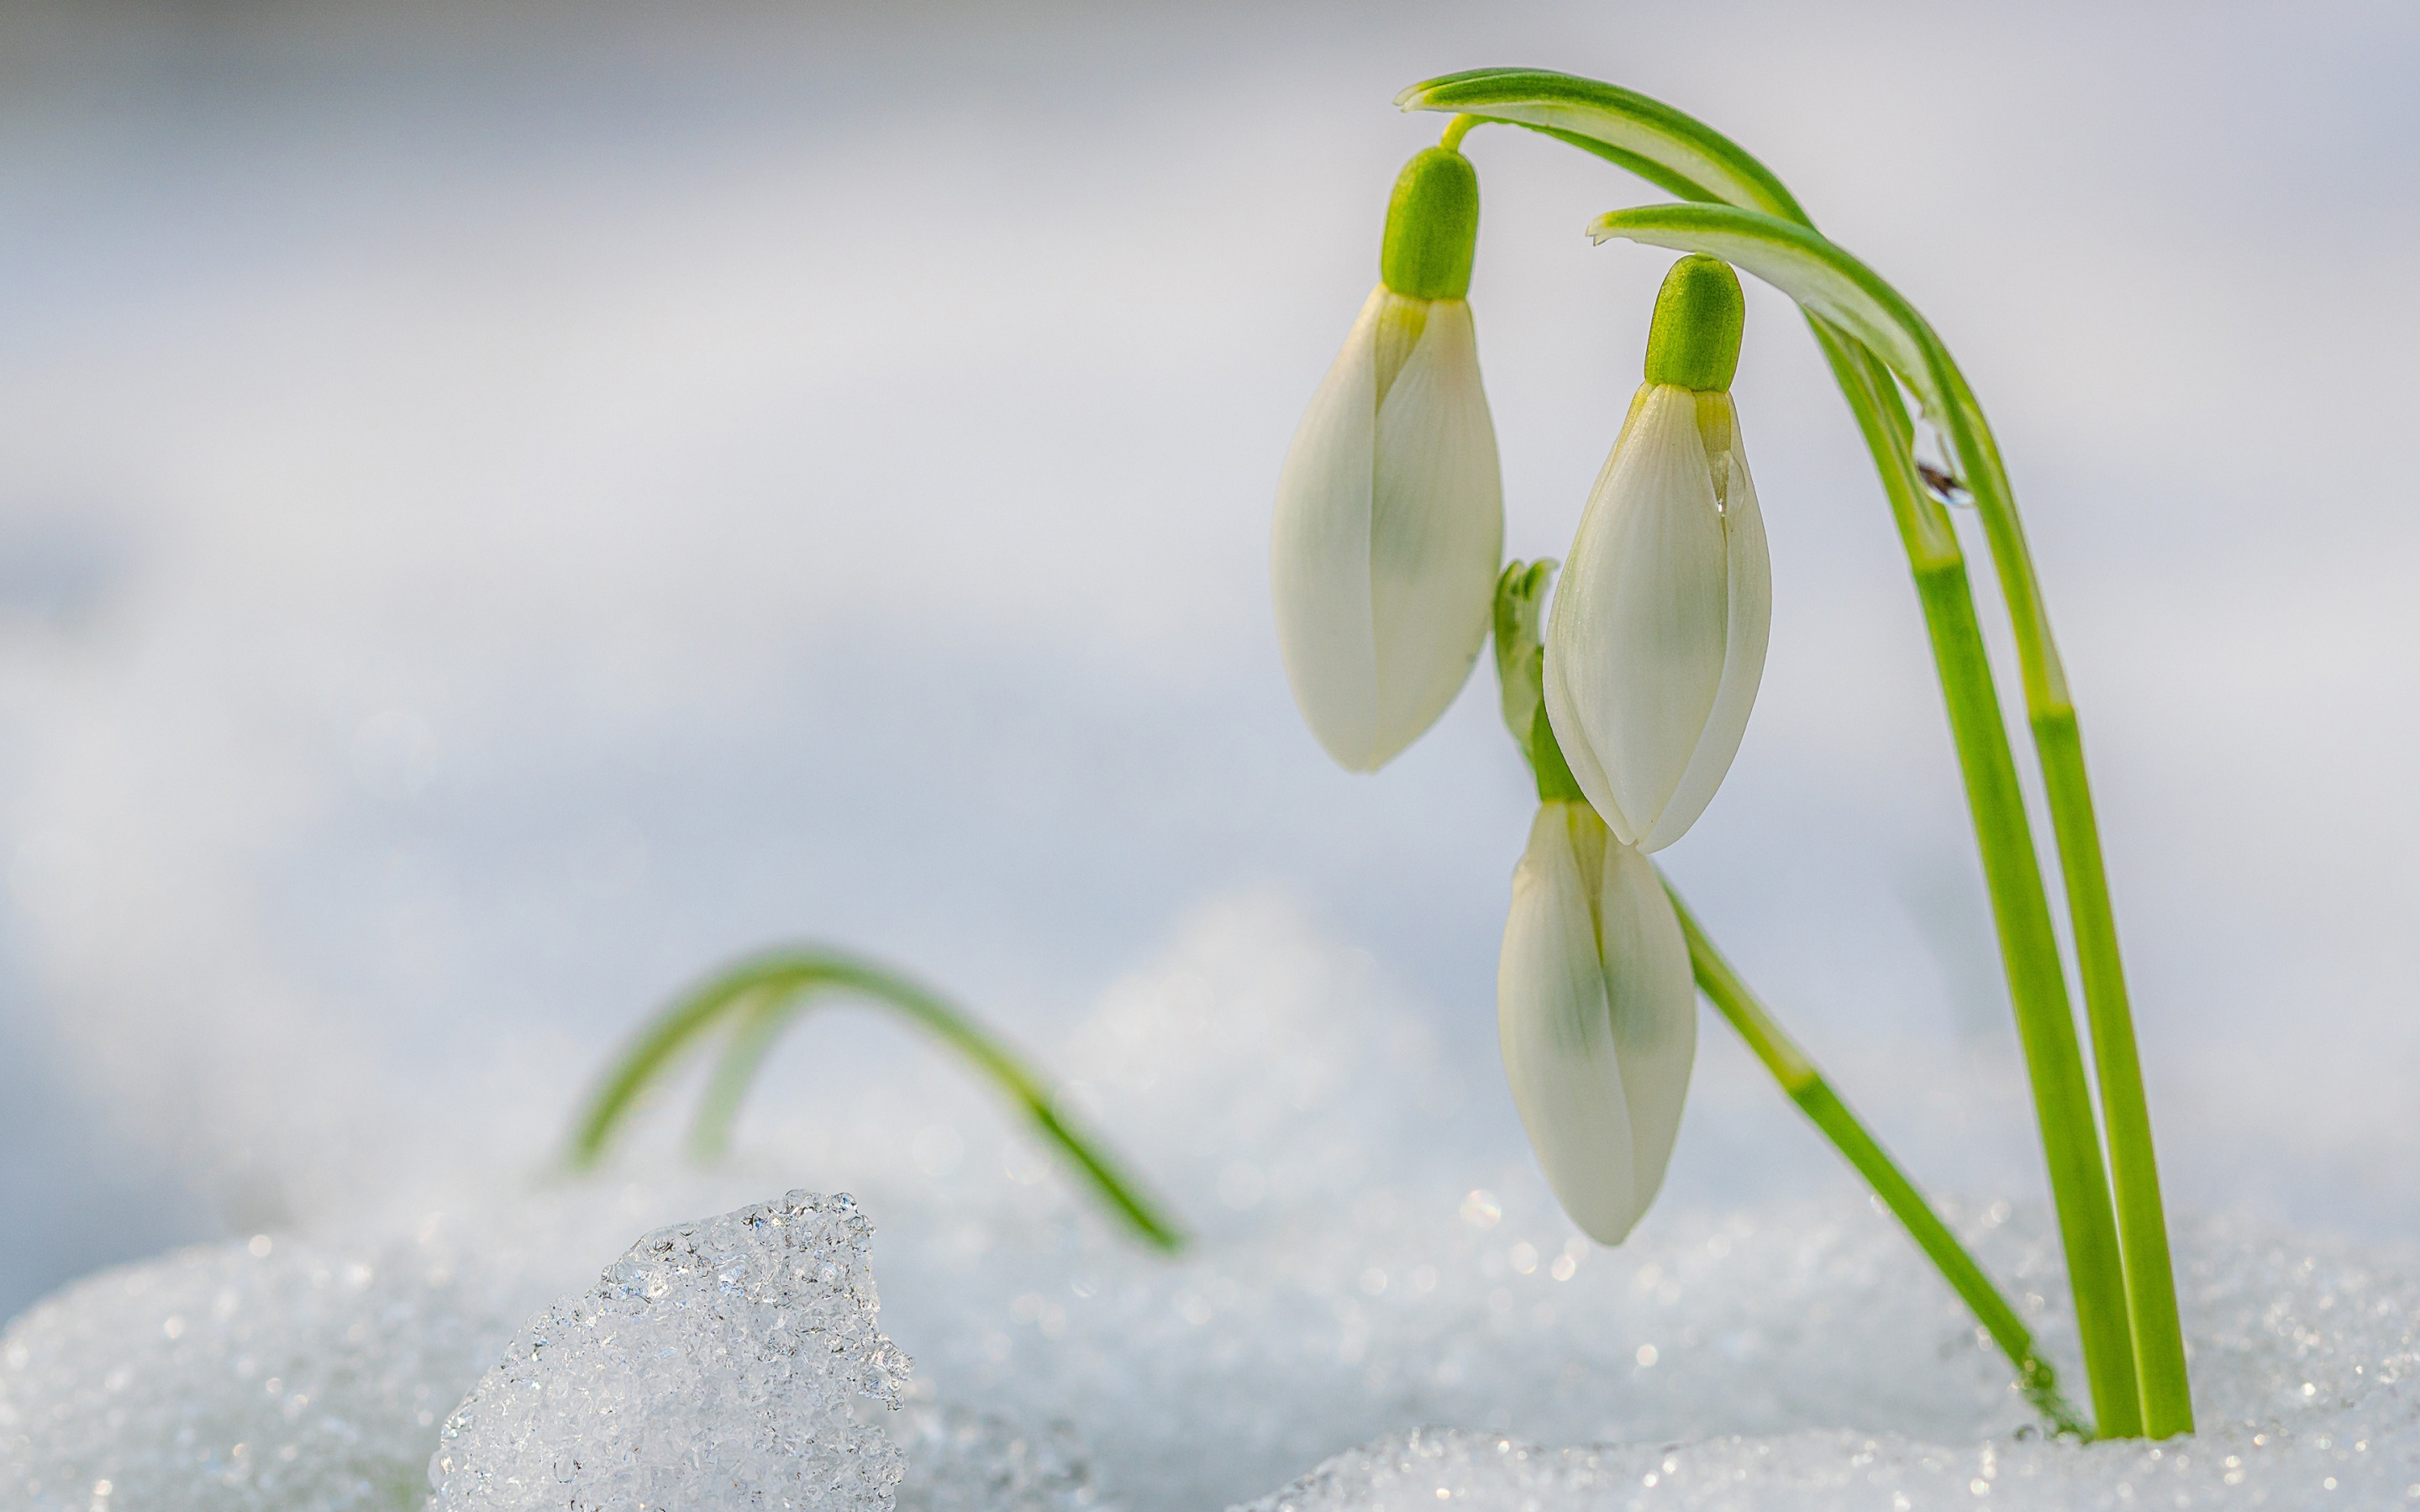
(2304, 1370)
(283, 1374)
(265, 1373)
(960, 1460)
(1361, 1277)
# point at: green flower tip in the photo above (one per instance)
(1699, 312)
(1432, 227)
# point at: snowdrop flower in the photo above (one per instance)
(1657, 637)
(1389, 510)
(1598, 1016)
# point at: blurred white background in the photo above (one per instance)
(501, 508)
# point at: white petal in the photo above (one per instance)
(1437, 534)
(1557, 1028)
(1639, 624)
(1654, 1004)
(1744, 647)
(1561, 716)
(1563, 719)
(1319, 552)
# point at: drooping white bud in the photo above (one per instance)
(1597, 1012)
(1657, 639)
(1390, 509)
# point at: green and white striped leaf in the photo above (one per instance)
(1675, 152)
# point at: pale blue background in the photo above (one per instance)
(500, 509)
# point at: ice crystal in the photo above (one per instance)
(714, 1367)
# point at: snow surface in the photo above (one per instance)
(2305, 1365)
(269, 1373)
(1357, 1281)
(283, 1374)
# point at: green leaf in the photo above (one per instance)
(1678, 153)
(1825, 281)
(763, 995)
(1520, 596)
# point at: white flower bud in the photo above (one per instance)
(1598, 1015)
(1389, 528)
(1657, 637)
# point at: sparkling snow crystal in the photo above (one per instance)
(714, 1365)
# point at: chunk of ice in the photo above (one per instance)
(713, 1366)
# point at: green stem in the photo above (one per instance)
(769, 985)
(2020, 907)
(2146, 1273)
(2058, 742)
(1814, 1096)
(2142, 1222)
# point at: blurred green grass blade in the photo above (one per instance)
(760, 997)
(657, 1047)
(758, 1022)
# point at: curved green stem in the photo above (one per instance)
(1868, 333)
(1814, 1096)
(766, 990)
